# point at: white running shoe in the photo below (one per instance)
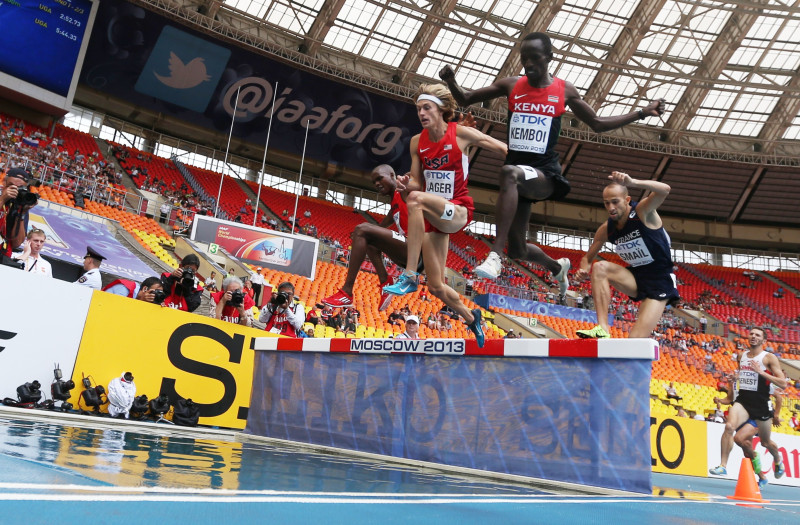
(561, 277)
(490, 268)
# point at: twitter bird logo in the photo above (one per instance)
(184, 76)
(188, 85)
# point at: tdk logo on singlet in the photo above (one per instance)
(536, 120)
(632, 249)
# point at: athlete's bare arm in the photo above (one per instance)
(772, 371)
(728, 399)
(600, 238)
(413, 180)
(499, 88)
(646, 209)
(776, 414)
(472, 137)
(387, 221)
(585, 113)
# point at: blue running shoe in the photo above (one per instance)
(405, 284)
(475, 327)
(779, 470)
(718, 471)
(762, 483)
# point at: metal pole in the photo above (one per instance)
(299, 177)
(264, 162)
(227, 148)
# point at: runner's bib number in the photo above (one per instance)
(748, 380)
(529, 133)
(441, 183)
(634, 252)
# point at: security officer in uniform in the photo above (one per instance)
(91, 266)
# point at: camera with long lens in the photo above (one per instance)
(29, 393)
(159, 296)
(187, 282)
(281, 299)
(237, 298)
(25, 197)
(92, 396)
(60, 390)
(140, 407)
(159, 407)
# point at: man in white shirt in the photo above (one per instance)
(165, 207)
(34, 262)
(412, 328)
(91, 265)
(257, 280)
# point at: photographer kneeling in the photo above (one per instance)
(151, 290)
(180, 286)
(282, 315)
(15, 202)
(231, 304)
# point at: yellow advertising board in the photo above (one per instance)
(678, 445)
(169, 352)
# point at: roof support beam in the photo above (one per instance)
(748, 191)
(322, 24)
(420, 46)
(787, 108)
(539, 20)
(720, 52)
(623, 49)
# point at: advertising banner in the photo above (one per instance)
(152, 62)
(788, 447)
(30, 344)
(284, 252)
(677, 445)
(492, 300)
(68, 236)
(180, 354)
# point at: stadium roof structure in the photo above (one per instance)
(730, 71)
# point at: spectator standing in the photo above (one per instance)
(258, 284)
(31, 257)
(165, 207)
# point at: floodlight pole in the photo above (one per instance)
(227, 149)
(264, 161)
(299, 178)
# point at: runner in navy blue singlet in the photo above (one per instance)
(640, 240)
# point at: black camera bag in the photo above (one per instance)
(186, 413)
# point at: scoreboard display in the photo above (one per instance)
(42, 43)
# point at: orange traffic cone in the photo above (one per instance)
(747, 487)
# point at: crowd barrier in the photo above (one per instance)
(565, 410)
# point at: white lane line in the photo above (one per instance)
(350, 501)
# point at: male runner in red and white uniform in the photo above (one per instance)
(437, 197)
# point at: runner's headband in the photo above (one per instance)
(436, 100)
